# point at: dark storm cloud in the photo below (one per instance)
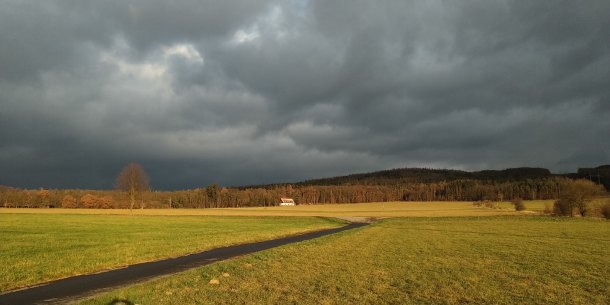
(248, 92)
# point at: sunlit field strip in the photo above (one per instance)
(379, 209)
(40, 247)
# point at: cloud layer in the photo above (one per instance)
(250, 92)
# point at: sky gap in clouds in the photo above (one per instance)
(252, 92)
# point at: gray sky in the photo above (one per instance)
(250, 92)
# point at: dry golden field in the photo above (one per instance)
(377, 209)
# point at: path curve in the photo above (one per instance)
(72, 287)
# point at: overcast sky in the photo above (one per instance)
(251, 92)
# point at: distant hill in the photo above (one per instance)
(600, 174)
(425, 175)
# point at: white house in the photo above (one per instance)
(287, 201)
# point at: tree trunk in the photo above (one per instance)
(132, 199)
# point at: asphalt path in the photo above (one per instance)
(60, 291)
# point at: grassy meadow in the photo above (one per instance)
(35, 248)
(441, 260)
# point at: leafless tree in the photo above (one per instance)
(132, 180)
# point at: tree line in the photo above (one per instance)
(213, 196)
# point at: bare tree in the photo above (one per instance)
(576, 195)
(132, 180)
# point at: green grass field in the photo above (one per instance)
(442, 260)
(40, 247)
(420, 252)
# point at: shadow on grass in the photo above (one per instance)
(118, 301)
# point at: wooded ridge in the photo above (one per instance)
(407, 184)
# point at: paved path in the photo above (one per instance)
(69, 288)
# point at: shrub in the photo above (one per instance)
(563, 207)
(106, 202)
(490, 204)
(606, 210)
(576, 195)
(518, 203)
(68, 202)
(89, 201)
(566, 205)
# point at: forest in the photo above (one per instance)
(383, 186)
